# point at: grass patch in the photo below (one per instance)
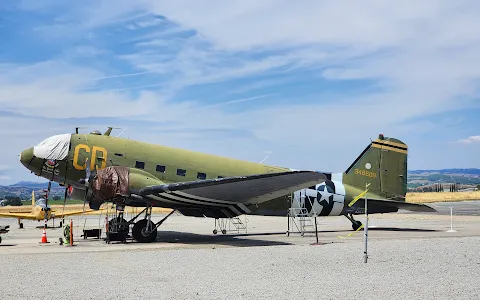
(442, 197)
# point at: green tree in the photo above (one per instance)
(13, 200)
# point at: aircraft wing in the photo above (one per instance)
(27, 216)
(397, 204)
(230, 193)
(71, 213)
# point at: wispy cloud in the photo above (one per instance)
(209, 75)
(470, 140)
(4, 177)
(240, 100)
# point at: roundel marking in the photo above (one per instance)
(368, 166)
(325, 194)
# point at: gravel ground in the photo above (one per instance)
(433, 268)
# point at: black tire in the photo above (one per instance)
(138, 234)
(224, 231)
(0, 239)
(21, 226)
(122, 228)
(356, 225)
(215, 231)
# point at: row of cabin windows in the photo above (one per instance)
(180, 172)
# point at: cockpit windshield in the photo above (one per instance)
(42, 203)
(54, 147)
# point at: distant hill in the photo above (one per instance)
(448, 171)
(23, 189)
(466, 177)
(31, 184)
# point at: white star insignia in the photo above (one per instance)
(325, 194)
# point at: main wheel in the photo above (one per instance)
(139, 234)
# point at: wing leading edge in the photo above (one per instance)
(28, 216)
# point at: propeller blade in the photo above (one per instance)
(64, 203)
(85, 199)
(88, 172)
(46, 200)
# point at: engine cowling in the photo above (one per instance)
(113, 184)
(327, 199)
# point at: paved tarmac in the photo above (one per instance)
(464, 208)
(187, 232)
(411, 255)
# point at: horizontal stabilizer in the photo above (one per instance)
(396, 204)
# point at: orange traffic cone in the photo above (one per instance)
(44, 237)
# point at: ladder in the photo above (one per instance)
(233, 224)
(298, 213)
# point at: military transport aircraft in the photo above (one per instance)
(133, 173)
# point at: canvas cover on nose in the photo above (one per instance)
(55, 147)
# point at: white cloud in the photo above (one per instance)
(470, 140)
(4, 177)
(416, 50)
(421, 56)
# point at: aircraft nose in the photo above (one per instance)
(26, 156)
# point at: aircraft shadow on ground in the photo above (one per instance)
(375, 229)
(222, 239)
(403, 229)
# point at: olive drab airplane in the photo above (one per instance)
(133, 173)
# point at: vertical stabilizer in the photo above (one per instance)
(383, 164)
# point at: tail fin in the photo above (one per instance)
(383, 164)
(33, 198)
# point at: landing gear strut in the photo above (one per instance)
(355, 223)
(145, 231)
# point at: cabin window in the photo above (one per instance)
(160, 169)
(181, 172)
(201, 175)
(118, 154)
(139, 164)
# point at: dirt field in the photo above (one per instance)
(442, 197)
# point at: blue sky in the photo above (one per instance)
(312, 82)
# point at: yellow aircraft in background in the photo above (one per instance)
(40, 210)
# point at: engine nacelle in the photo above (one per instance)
(327, 199)
(114, 183)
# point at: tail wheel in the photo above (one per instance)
(356, 224)
(139, 232)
